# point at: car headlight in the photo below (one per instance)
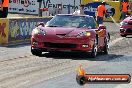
(38, 31)
(123, 23)
(84, 34)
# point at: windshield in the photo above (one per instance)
(71, 21)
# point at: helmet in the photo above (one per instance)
(103, 3)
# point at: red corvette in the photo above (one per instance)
(126, 27)
(68, 32)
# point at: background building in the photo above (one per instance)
(54, 6)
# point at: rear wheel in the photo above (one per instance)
(108, 37)
(36, 52)
(93, 54)
(106, 46)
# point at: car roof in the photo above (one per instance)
(74, 15)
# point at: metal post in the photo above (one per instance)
(74, 5)
(69, 9)
(39, 9)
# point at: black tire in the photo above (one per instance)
(108, 37)
(93, 54)
(36, 52)
(106, 47)
(123, 35)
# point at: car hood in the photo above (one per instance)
(60, 33)
(128, 19)
(65, 31)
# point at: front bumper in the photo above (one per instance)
(84, 45)
(125, 31)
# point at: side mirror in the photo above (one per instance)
(40, 24)
(102, 27)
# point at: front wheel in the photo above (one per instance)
(36, 52)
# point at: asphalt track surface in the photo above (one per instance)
(20, 69)
(117, 62)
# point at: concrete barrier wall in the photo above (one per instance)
(4, 29)
(18, 30)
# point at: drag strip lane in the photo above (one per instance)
(27, 71)
(117, 62)
(24, 75)
(115, 41)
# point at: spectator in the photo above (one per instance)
(101, 11)
(4, 9)
(124, 9)
(1, 8)
(1, 4)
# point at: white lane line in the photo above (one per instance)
(115, 41)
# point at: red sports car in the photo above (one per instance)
(68, 32)
(126, 27)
